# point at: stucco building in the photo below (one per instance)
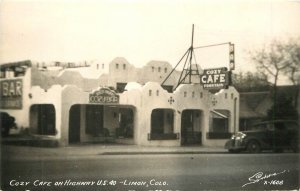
(118, 102)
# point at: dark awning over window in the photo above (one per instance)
(220, 114)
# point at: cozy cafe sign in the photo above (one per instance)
(104, 95)
(216, 78)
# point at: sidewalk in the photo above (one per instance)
(91, 150)
(26, 145)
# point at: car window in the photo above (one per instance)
(258, 127)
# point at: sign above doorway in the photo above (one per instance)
(104, 95)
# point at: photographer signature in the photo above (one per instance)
(261, 176)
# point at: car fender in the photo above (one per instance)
(252, 138)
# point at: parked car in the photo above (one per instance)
(7, 122)
(274, 135)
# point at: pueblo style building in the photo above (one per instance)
(73, 103)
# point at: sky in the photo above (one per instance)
(141, 31)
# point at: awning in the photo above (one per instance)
(220, 114)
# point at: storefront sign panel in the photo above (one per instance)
(11, 93)
(216, 78)
(104, 95)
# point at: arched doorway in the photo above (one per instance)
(74, 124)
(43, 119)
(191, 127)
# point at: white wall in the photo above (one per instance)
(21, 115)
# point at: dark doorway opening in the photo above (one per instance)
(191, 127)
(162, 125)
(94, 121)
(74, 124)
(42, 119)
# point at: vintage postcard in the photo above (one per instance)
(149, 95)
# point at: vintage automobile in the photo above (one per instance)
(276, 135)
(7, 122)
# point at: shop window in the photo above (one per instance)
(162, 125)
(42, 119)
(219, 124)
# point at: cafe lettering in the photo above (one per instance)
(214, 78)
(104, 95)
(11, 94)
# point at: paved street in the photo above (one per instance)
(153, 171)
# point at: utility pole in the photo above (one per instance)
(187, 71)
(189, 56)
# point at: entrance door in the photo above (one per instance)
(74, 124)
(94, 120)
(191, 127)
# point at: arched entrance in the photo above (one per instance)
(74, 124)
(191, 121)
(162, 124)
(43, 119)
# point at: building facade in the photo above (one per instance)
(116, 103)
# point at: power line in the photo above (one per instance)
(212, 45)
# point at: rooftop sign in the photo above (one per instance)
(216, 78)
(104, 95)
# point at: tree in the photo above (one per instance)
(271, 60)
(279, 58)
(292, 50)
(283, 109)
(250, 81)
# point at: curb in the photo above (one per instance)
(162, 153)
(32, 143)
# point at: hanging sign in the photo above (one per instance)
(216, 78)
(104, 95)
(11, 92)
(231, 56)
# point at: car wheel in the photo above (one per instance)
(253, 147)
